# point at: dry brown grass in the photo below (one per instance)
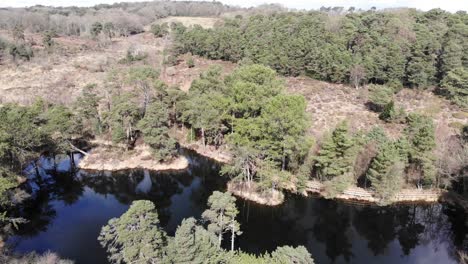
(76, 62)
(59, 77)
(206, 22)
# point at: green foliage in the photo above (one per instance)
(160, 30)
(96, 29)
(22, 51)
(155, 129)
(206, 113)
(386, 171)
(108, 29)
(336, 154)
(8, 181)
(338, 184)
(171, 60)
(136, 236)
(392, 114)
(421, 138)
(287, 254)
(380, 96)
(124, 117)
(47, 39)
(392, 48)
(20, 134)
(60, 126)
(193, 244)
(86, 108)
(456, 86)
(190, 62)
(250, 87)
(221, 215)
(130, 57)
(283, 124)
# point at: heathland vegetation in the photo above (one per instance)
(248, 112)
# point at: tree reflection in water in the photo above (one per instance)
(333, 231)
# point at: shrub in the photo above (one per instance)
(22, 51)
(47, 39)
(171, 60)
(392, 114)
(190, 62)
(379, 96)
(96, 29)
(133, 56)
(160, 31)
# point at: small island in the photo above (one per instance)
(107, 159)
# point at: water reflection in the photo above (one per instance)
(69, 207)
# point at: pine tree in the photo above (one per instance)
(421, 138)
(155, 128)
(124, 117)
(456, 86)
(386, 171)
(291, 255)
(379, 96)
(221, 215)
(336, 154)
(193, 244)
(136, 236)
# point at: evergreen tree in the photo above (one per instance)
(96, 29)
(155, 128)
(284, 123)
(124, 117)
(336, 155)
(160, 30)
(193, 244)
(386, 171)
(456, 86)
(420, 134)
(144, 79)
(380, 96)
(291, 255)
(135, 237)
(86, 107)
(221, 215)
(392, 114)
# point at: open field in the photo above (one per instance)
(206, 22)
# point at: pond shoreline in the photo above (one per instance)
(105, 158)
(269, 198)
(358, 194)
(352, 194)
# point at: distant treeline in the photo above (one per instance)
(127, 18)
(394, 47)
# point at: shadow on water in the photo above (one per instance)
(69, 207)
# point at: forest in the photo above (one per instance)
(250, 112)
(395, 48)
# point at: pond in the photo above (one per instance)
(68, 209)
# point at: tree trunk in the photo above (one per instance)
(72, 161)
(220, 236)
(75, 149)
(232, 234)
(203, 137)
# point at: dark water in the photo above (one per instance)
(68, 210)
